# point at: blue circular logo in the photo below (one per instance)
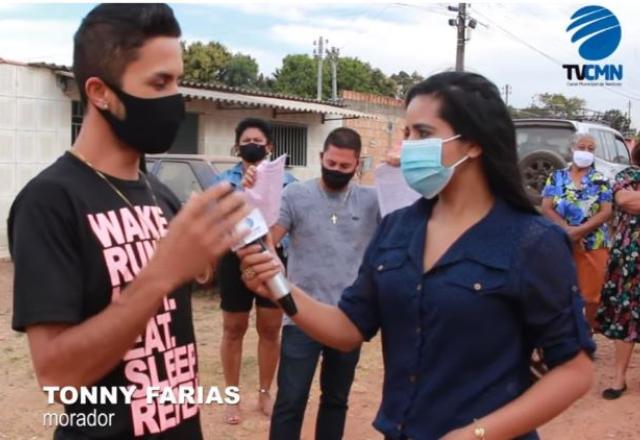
(249, 222)
(599, 31)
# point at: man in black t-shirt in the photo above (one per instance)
(101, 254)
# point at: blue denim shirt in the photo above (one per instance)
(234, 176)
(457, 339)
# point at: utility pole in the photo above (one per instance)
(332, 55)
(318, 52)
(460, 22)
(507, 91)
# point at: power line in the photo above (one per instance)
(433, 10)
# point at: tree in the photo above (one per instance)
(265, 83)
(297, 76)
(240, 71)
(204, 62)
(381, 84)
(561, 106)
(359, 76)
(618, 120)
(404, 82)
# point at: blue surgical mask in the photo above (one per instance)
(421, 163)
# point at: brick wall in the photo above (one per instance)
(378, 135)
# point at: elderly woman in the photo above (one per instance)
(618, 317)
(579, 199)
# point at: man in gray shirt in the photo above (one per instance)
(330, 221)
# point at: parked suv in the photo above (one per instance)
(544, 145)
(188, 173)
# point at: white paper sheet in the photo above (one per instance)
(393, 191)
(266, 194)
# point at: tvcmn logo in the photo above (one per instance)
(598, 33)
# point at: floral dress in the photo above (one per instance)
(619, 313)
(577, 205)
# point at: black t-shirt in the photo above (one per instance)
(76, 245)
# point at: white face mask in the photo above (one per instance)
(583, 159)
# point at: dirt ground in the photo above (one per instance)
(22, 404)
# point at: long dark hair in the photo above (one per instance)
(472, 105)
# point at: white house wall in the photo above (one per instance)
(35, 128)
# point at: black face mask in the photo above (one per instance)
(253, 152)
(150, 124)
(336, 180)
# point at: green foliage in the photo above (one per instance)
(298, 75)
(204, 62)
(618, 120)
(240, 71)
(405, 81)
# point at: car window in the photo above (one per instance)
(180, 178)
(205, 172)
(604, 149)
(221, 167)
(622, 153)
(557, 139)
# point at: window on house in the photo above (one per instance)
(292, 141)
(77, 113)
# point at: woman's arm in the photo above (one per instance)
(596, 221)
(551, 214)
(628, 201)
(549, 397)
(324, 323)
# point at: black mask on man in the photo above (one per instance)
(336, 180)
(252, 152)
(150, 124)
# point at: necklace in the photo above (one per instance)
(115, 189)
(334, 214)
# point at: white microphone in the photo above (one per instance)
(258, 230)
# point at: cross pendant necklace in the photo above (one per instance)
(334, 214)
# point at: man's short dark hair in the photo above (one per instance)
(110, 35)
(260, 124)
(344, 137)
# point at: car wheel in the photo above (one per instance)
(536, 168)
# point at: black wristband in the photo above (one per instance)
(288, 304)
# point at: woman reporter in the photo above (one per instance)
(463, 285)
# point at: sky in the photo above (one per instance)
(516, 43)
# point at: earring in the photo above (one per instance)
(105, 106)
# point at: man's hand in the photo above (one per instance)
(250, 176)
(200, 234)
